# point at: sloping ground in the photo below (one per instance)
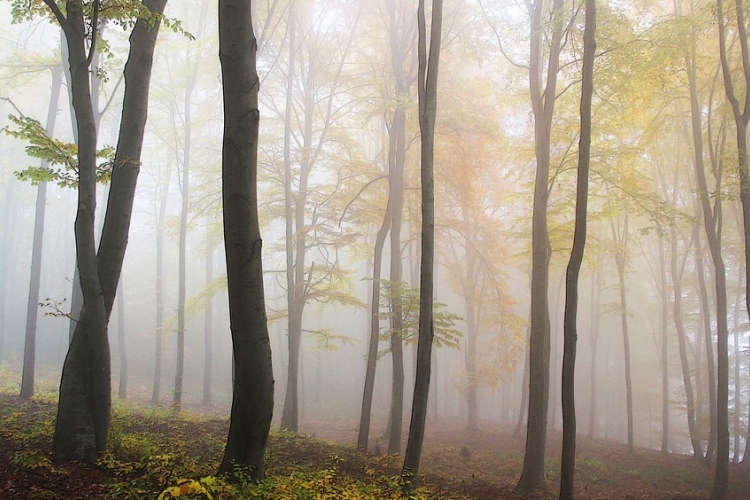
(152, 449)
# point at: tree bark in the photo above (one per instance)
(570, 325)
(122, 386)
(252, 396)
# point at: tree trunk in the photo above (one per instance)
(363, 436)
(741, 118)
(570, 325)
(252, 396)
(32, 307)
(397, 159)
(82, 424)
(663, 318)
(208, 322)
(596, 288)
(159, 340)
(185, 185)
(682, 344)
(85, 393)
(532, 475)
(427, 86)
(289, 412)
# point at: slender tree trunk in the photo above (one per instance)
(363, 436)
(427, 86)
(663, 318)
(185, 186)
(532, 475)
(289, 413)
(32, 307)
(570, 325)
(596, 288)
(741, 114)
(159, 340)
(470, 356)
(682, 344)
(397, 159)
(208, 324)
(4, 259)
(620, 260)
(252, 396)
(708, 342)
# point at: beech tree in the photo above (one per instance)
(567, 462)
(252, 396)
(82, 424)
(427, 92)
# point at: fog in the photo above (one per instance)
(642, 205)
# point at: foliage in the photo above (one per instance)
(446, 335)
(56, 152)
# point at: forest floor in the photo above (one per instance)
(152, 450)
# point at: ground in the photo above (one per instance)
(152, 450)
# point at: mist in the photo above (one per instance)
(328, 100)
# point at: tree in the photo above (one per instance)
(567, 462)
(427, 93)
(82, 424)
(252, 396)
(32, 309)
(741, 113)
(543, 106)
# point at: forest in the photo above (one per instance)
(457, 249)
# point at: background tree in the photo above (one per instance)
(252, 401)
(427, 92)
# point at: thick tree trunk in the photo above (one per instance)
(427, 86)
(82, 424)
(252, 400)
(85, 393)
(32, 307)
(570, 325)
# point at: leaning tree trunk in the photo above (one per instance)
(252, 397)
(32, 307)
(83, 411)
(427, 86)
(682, 345)
(570, 327)
(83, 415)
